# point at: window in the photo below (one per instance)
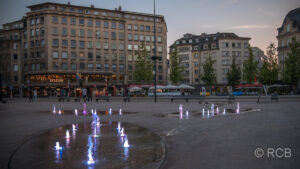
(129, 47)
(98, 66)
(90, 44)
(90, 33)
(113, 25)
(81, 32)
(136, 37)
(106, 67)
(121, 67)
(55, 42)
(159, 49)
(113, 46)
(98, 34)
(130, 67)
(55, 55)
(90, 55)
(148, 28)
(32, 21)
(106, 35)
(159, 29)
(73, 43)
(142, 27)
(114, 67)
(90, 22)
(129, 36)
(82, 66)
(153, 38)
(147, 38)
(42, 43)
(121, 35)
(16, 68)
(121, 46)
(73, 21)
(121, 26)
(54, 31)
(81, 44)
(54, 19)
(98, 45)
(73, 66)
(159, 40)
(136, 47)
(113, 35)
(98, 24)
(105, 45)
(98, 55)
(73, 55)
(54, 65)
(105, 24)
(64, 43)
(64, 31)
(81, 55)
(288, 27)
(129, 26)
(246, 45)
(73, 32)
(64, 20)
(135, 27)
(141, 37)
(37, 32)
(64, 55)
(25, 45)
(81, 21)
(113, 56)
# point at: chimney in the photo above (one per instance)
(92, 6)
(120, 8)
(69, 3)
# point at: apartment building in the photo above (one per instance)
(289, 29)
(222, 47)
(64, 45)
(259, 56)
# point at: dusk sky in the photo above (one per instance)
(258, 19)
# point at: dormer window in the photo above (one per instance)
(177, 42)
(184, 41)
(191, 41)
(288, 27)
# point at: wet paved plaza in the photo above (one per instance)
(29, 132)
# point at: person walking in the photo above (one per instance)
(30, 95)
(34, 95)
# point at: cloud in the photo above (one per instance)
(250, 27)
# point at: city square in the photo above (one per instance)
(126, 84)
(220, 141)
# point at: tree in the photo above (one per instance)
(176, 68)
(143, 66)
(268, 74)
(250, 68)
(209, 75)
(234, 74)
(292, 64)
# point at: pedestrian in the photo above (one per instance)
(30, 95)
(84, 93)
(35, 95)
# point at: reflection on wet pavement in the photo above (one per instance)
(91, 146)
(205, 113)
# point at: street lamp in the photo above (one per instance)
(154, 57)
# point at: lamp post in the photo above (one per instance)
(154, 57)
